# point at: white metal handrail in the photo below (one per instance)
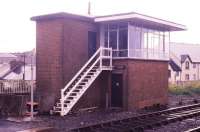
(82, 77)
(95, 60)
(142, 53)
(83, 68)
(80, 71)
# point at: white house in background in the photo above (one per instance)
(184, 62)
(30, 73)
(17, 72)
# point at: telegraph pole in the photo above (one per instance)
(24, 66)
(32, 98)
(89, 8)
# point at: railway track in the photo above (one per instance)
(144, 121)
(197, 129)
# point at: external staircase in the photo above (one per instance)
(72, 92)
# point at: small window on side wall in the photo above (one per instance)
(194, 77)
(187, 77)
(169, 73)
(177, 73)
(194, 65)
(187, 65)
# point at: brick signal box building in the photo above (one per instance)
(117, 60)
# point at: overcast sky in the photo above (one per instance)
(17, 32)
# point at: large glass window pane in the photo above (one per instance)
(113, 39)
(161, 41)
(123, 42)
(146, 40)
(123, 39)
(106, 39)
(166, 43)
(156, 41)
(144, 43)
(113, 27)
(123, 25)
(137, 38)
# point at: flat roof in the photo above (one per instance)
(132, 17)
(61, 15)
(141, 20)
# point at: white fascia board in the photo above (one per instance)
(139, 16)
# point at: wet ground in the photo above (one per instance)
(60, 124)
(63, 124)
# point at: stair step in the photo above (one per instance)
(77, 90)
(59, 104)
(82, 83)
(88, 76)
(56, 111)
(78, 86)
(55, 108)
(58, 108)
(73, 94)
(85, 80)
(70, 97)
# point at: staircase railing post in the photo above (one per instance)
(110, 57)
(62, 103)
(101, 57)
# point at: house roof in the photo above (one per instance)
(7, 55)
(132, 17)
(4, 68)
(184, 57)
(174, 66)
(19, 76)
(186, 49)
(142, 20)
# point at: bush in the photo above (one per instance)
(185, 89)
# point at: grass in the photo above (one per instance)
(185, 89)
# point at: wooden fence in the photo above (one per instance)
(16, 86)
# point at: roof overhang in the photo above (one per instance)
(62, 15)
(142, 20)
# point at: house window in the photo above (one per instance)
(194, 77)
(177, 73)
(194, 65)
(187, 77)
(187, 65)
(169, 73)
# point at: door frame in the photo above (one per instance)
(122, 90)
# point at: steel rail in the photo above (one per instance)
(144, 121)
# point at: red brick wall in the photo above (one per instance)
(147, 82)
(75, 46)
(95, 96)
(49, 76)
(62, 49)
